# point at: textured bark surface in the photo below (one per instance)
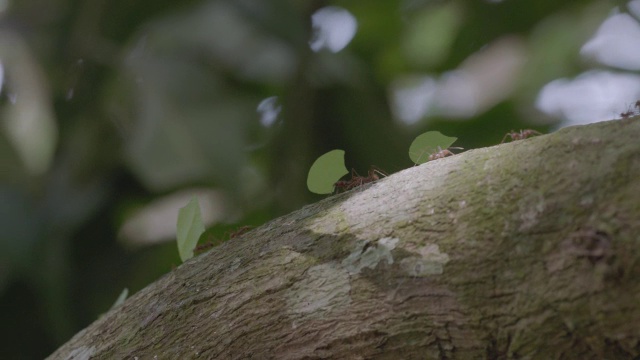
(527, 250)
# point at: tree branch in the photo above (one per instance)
(524, 250)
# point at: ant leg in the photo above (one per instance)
(377, 170)
(509, 134)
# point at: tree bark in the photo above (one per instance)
(526, 250)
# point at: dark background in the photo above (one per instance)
(127, 107)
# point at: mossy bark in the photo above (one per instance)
(527, 250)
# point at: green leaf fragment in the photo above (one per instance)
(325, 171)
(121, 298)
(189, 229)
(427, 144)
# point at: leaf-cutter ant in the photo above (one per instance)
(521, 135)
(357, 180)
(442, 153)
(631, 111)
(239, 231)
(627, 114)
(213, 241)
(203, 247)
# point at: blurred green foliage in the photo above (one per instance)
(108, 106)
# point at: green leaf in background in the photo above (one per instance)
(427, 144)
(190, 227)
(431, 33)
(325, 171)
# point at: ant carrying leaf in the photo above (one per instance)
(357, 180)
(425, 146)
(325, 171)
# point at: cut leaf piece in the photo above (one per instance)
(325, 171)
(427, 144)
(121, 298)
(189, 229)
